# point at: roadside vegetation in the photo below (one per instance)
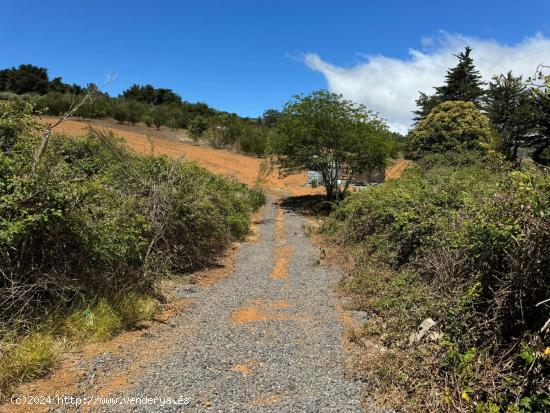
(462, 240)
(86, 229)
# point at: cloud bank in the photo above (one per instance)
(390, 86)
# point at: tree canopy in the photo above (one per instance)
(149, 94)
(324, 132)
(33, 79)
(451, 126)
(462, 82)
(509, 105)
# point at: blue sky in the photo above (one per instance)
(247, 56)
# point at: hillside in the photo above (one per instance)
(224, 162)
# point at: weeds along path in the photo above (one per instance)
(267, 338)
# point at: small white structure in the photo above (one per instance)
(314, 178)
(373, 177)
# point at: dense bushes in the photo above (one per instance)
(84, 237)
(94, 220)
(468, 245)
(451, 126)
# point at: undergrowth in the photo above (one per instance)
(466, 241)
(85, 234)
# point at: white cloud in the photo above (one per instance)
(390, 86)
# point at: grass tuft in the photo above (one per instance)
(33, 356)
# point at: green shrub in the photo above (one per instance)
(95, 220)
(84, 237)
(451, 126)
(197, 126)
(467, 243)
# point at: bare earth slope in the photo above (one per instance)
(176, 145)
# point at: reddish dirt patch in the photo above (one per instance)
(282, 304)
(246, 368)
(248, 314)
(396, 170)
(259, 310)
(283, 254)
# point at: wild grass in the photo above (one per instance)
(35, 353)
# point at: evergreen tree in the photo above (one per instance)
(541, 141)
(425, 104)
(463, 82)
(509, 105)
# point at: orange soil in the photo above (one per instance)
(243, 168)
(223, 162)
(396, 170)
(260, 310)
(245, 368)
(283, 251)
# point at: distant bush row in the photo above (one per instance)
(154, 107)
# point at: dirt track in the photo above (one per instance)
(263, 332)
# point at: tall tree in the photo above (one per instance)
(326, 133)
(509, 105)
(462, 82)
(541, 141)
(270, 118)
(451, 126)
(25, 79)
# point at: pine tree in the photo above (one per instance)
(463, 82)
(509, 105)
(425, 104)
(541, 141)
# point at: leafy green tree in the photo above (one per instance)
(57, 85)
(509, 105)
(462, 82)
(134, 111)
(324, 132)
(120, 113)
(451, 126)
(149, 94)
(270, 118)
(26, 79)
(159, 116)
(197, 127)
(147, 119)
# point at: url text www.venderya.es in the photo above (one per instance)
(75, 401)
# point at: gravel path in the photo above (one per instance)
(265, 339)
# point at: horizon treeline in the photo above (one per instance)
(518, 108)
(154, 107)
